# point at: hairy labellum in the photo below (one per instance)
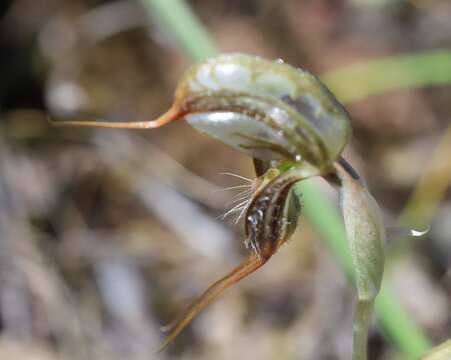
(272, 215)
(270, 221)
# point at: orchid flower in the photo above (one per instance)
(294, 128)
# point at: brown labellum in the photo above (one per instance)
(271, 218)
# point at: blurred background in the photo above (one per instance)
(106, 235)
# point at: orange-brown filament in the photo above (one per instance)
(247, 267)
(172, 114)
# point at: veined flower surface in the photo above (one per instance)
(266, 109)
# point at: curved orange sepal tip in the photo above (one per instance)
(246, 268)
(172, 114)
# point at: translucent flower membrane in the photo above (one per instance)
(266, 109)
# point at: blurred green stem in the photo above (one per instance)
(369, 78)
(181, 25)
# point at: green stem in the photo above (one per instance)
(362, 322)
